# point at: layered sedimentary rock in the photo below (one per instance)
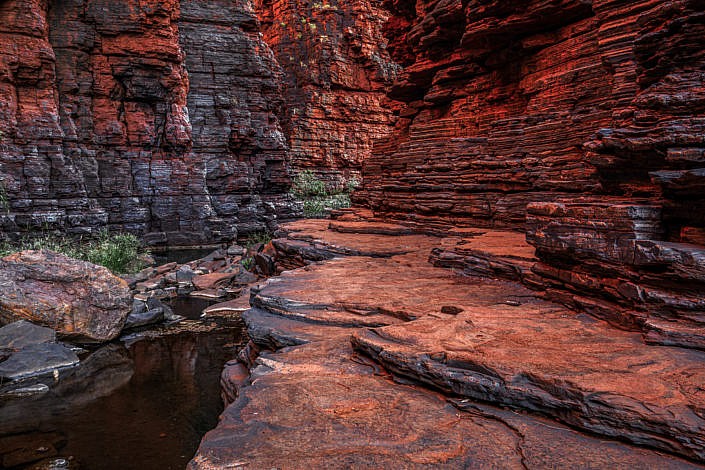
(319, 401)
(511, 103)
(579, 122)
(103, 125)
(610, 259)
(336, 69)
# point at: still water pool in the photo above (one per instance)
(141, 403)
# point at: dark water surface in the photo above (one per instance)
(181, 256)
(141, 404)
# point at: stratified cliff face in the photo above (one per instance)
(234, 102)
(336, 69)
(578, 121)
(158, 118)
(515, 102)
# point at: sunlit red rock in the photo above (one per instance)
(158, 118)
(336, 68)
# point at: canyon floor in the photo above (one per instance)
(371, 356)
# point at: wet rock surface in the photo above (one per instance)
(37, 359)
(353, 347)
(22, 333)
(222, 275)
(78, 300)
(141, 402)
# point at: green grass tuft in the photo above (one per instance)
(306, 184)
(119, 252)
(258, 237)
(317, 199)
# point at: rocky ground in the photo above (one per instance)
(69, 325)
(368, 355)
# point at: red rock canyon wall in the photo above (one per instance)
(104, 126)
(336, 69)
(508, 103)
(175, 120)
(578, 121)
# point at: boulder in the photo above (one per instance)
(149, 311)
(150, 317)
(77, 299)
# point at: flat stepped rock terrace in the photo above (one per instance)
(356, 348)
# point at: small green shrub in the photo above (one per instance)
(351, 185)
(248, 263)
(338, 201)
(121, 253)
(317, 199)
(118, 252)
(6, 248)
(63, 245)
(258, 237)
(4, 199)
(306, 184)
(314, 207)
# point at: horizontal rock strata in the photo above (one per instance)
(156, 118)
(609, 258)
(577, 122)
(176, 120)
(312, 399)
(336, 68)
(511, 103)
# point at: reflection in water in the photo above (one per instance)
(190, 307)
(142, 407)
(181, 256)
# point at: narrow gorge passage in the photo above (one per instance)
(430, 234)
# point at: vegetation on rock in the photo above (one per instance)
(258, 237)
(319, 200)
(119, 252)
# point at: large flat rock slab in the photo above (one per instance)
(563, 367)
(318, 406)
(384, 362)
(495, 253)
(278, 331)
(37, 359)
(356, 238)
(22, 333)
(494, 340)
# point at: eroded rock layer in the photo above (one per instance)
(577, 122)
(313, 398)
(508, 103)
(336, 69)
(101, 127)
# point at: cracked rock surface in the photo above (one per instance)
(404, 392)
